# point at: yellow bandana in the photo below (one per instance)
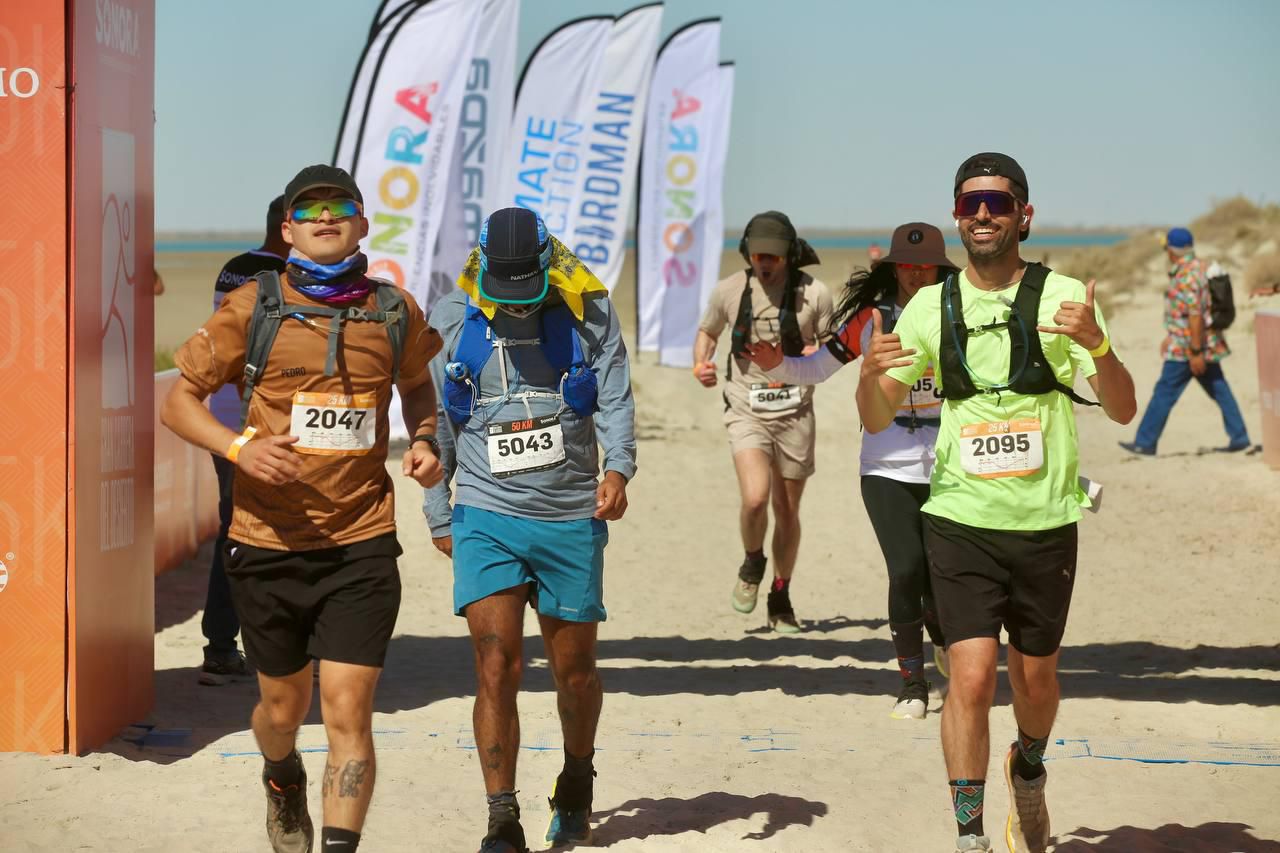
(568, 274)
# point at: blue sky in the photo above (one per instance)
(846, 114)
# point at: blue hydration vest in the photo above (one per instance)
(560, 346)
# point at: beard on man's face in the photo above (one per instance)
(1001, 241)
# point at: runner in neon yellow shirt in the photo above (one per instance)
(1006, 339)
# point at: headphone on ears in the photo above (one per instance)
(793, 248)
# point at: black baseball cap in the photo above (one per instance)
(515, 255)
(320, 175)
(992, 163)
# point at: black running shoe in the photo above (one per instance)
(782, 616)
(505, 835)
(289, 826)
(222, 667)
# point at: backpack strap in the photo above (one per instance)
(263, 326)
(1038, 376)
(392, 305)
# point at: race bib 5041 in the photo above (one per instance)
(334, 424)
(774, 397)
(1002, 448)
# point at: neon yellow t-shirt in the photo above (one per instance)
(1049, 495)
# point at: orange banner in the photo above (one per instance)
(1266, 328)
(111, 594)
(186, 491)
(33, 378)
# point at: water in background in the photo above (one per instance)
(853, 241)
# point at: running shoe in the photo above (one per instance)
(973, 844)
(913, 700)
(505, 835)
(1137, 449)
(782, 616)
(570, 810)
(222, 667)
(1027, 830)
(747, 587)
(289, 826)
(941, 662)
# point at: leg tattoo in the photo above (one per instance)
(330, 770)
(352, 775)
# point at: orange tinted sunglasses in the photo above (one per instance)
(918, 266)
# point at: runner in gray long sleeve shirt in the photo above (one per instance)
(534, 376)
(561, 493)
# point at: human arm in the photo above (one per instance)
(615, 418)
(1082, 323)
(268, 459)
(437, 500)
(418, 397)
(879, 396)
(704, 353)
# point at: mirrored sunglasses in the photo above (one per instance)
(998, 203)
(311, 211)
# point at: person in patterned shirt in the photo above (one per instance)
(1192, 349)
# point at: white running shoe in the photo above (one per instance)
(973, 844)
(745, 594)
(1027, 830)
(913, 700)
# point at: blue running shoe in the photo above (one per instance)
(570, 811)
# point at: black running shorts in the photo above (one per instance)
(1018, 579)
(337, 604)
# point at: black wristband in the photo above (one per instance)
(430, 439)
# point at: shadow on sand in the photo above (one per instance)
(1206, 838)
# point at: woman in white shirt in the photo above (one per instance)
(896, 463)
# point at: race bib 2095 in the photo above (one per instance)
(1002, 448)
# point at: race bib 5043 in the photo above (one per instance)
(334, 424)
(518, 447)
(1002, 448)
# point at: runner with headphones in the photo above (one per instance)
(1007, 338)
(896, 463)
(535, 377)
(311, 555)
(770, 424)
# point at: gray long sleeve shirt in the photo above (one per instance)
(567, 491)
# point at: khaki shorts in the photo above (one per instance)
(788, 441)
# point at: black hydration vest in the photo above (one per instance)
(788, 322)
(1029, 370)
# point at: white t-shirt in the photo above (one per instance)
(896, 452)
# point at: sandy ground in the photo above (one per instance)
(717, 735)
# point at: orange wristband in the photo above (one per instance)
(233, 452)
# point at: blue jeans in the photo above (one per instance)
(1169, 387)
(220, 623)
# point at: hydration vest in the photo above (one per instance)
(1029, 371)
(271, 309)
(788, 322)
(560, 346)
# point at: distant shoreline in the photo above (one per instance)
(819, 240)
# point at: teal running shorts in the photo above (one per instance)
(563, 560)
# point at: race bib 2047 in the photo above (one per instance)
(1002, 448)
(334, 424)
